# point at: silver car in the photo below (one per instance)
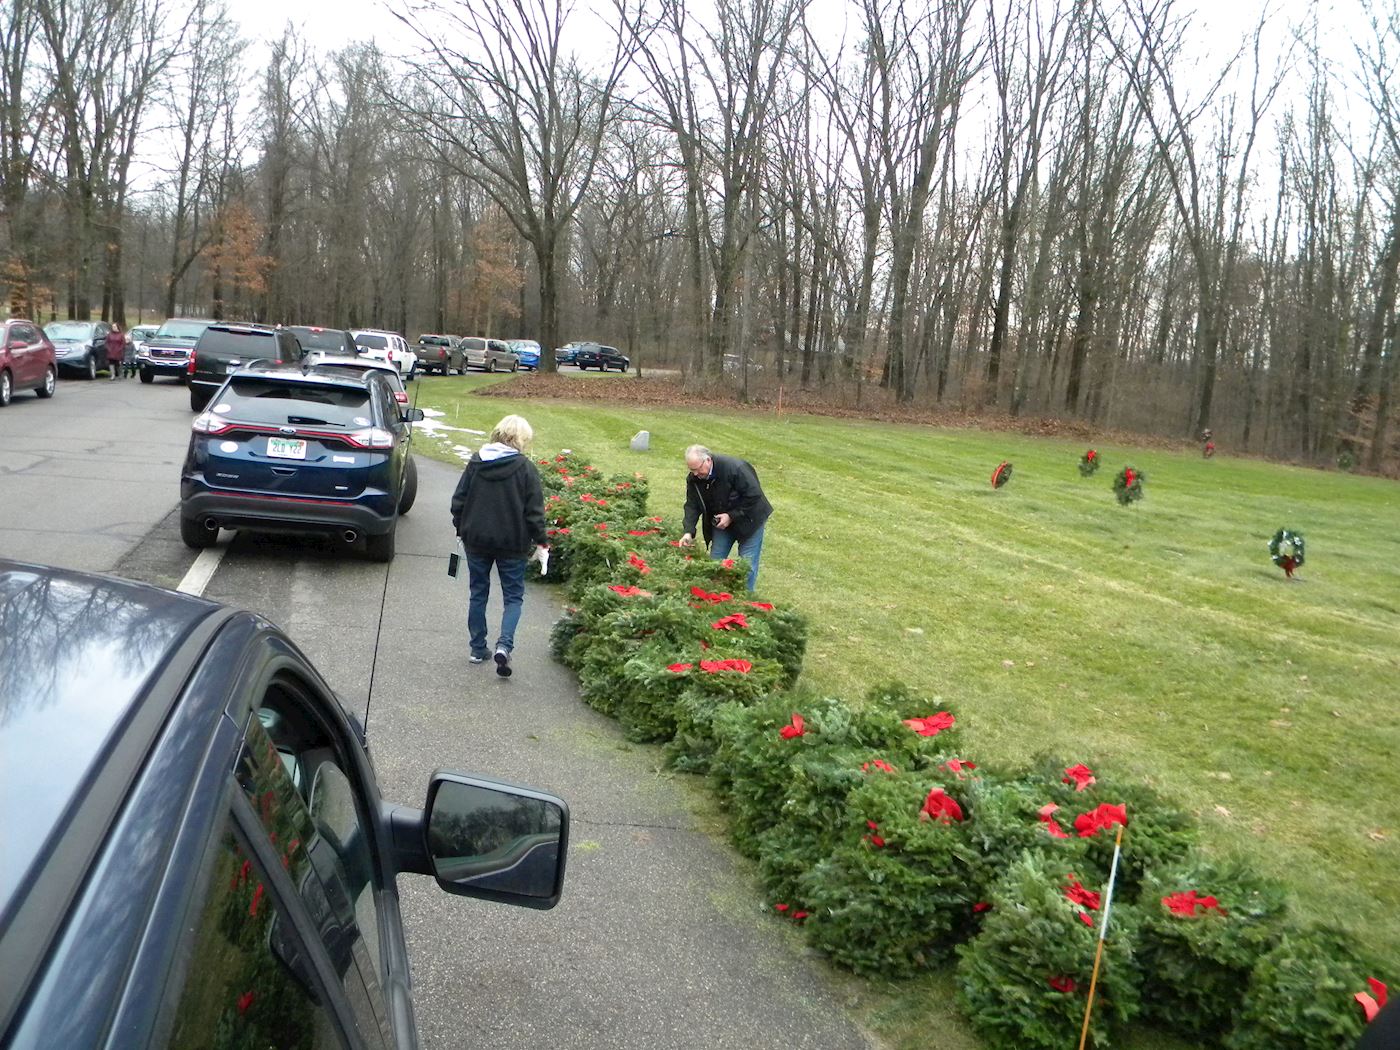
(492, 355)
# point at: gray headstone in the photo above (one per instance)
(641, 441)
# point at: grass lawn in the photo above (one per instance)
(1156, 641)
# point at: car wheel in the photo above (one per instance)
(381, 548)
(515, 366)
(198, 399)
(91, 367)
(147, 376)
(410, 486)
(196, 535)
(50, 382)
(491, 365)
(7, 389)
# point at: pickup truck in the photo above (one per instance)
(592, 355)
(440, 353)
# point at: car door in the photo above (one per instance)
(21, 348)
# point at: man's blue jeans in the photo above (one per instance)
(722, 542)
(512, 574)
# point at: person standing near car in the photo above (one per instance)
(498, 511)
(116, 346)
(722, 493)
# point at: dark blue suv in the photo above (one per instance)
(196, 852)
(281, 449)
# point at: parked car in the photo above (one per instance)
(79, 346)
(489, 354)
(224, 348)
(167, 353)
(327, 340)
(359, 366)
(595, 355)
(26, 360)
(564, 355)
(526, 351)
(440, 353)
(291, 451)
(138, 335)
(196, 849)
(387, 346)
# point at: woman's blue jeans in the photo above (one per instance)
(722, 542)
(512, 574)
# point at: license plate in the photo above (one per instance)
(286, 448)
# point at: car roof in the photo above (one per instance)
(77, 653)
(297, 375)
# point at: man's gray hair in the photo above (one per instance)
(697, 452)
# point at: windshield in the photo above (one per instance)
(254, 400)
(68, 330)
(183, 329)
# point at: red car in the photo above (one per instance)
(26, 360)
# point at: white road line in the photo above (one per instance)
(202, 571)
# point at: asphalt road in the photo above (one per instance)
(662, 938)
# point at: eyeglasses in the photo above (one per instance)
(702, 469)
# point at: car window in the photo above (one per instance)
(253, 399)
(243, 343)
(376, 342)
(243, 979)
(182, 329)
(294, 779)
(473, 343)
(320, 339)
(25, 333)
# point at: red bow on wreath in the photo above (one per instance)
(1129, 477)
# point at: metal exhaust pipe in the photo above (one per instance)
(211, 524)
(350, 535)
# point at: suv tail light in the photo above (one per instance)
(374, 437)
(208, 423)
(190, 370)
(442, 353)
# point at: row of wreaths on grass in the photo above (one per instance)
(895, 852)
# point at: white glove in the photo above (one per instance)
(541, 555)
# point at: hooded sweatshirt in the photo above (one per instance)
(498, 508)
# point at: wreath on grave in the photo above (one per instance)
(1127, 486)
(1001, 475)
(1088, 463)
(1286, 550)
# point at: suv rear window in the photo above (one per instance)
(375, 342)
(235, 343)
(320, 338)
(257, 400)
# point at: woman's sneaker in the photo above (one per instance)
(503, 663)
(477, 658)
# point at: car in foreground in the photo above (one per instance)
(26, 360)
(225, 348)
(285, 450)
(167, 353)
(440, 353)
(197, 851)
(526, 351)
(603, 358)
(330, 341)
(79, 346)
(490, 355)
(387, 346)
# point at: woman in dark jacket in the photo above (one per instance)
(116, 345)
(498, 511)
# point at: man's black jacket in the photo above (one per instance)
(732, 488)
(498, 508)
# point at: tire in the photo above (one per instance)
(91, 366)
(198, 400)
(515, 366)
(147, 376)
(491, 365)
(410, 486)
(49, 384)
(381, 548)
(7, 389)
(196, 535)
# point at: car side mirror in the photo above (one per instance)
(489, 839)
(413, 415)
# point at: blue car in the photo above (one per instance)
(279, 449)
(527, 351)
(197, 853)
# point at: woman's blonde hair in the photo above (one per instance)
(515, 432)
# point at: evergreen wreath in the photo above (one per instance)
(1002, 474)
(1286, 550)
(1088, 463)
(1127, 486)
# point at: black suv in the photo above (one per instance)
(325, 450)
(593, 355)
(224, 348)
(196, 849)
